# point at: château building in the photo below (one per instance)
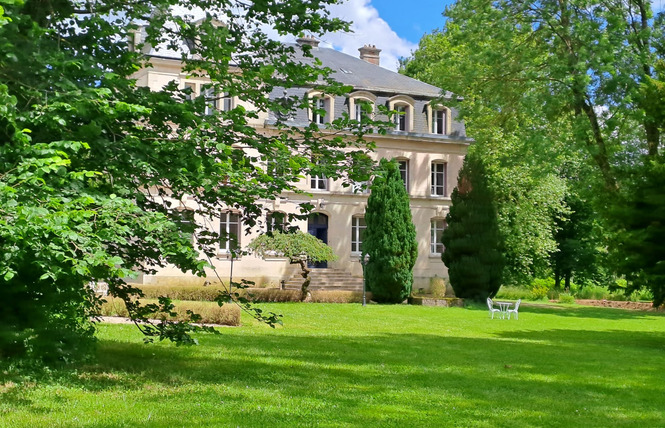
(427, 140)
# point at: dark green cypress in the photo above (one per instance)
(390, 238)
(472, 241)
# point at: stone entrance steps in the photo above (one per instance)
(327, 279)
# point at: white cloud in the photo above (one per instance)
(368, 28)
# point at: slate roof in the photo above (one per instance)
(363, 75)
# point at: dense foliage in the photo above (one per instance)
(551, 87)
(472, 243)
(390, 238)
(299, 247)
(93, 167)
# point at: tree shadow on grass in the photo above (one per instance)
(514, 378)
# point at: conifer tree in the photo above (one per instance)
(472, 241)
(390, 238)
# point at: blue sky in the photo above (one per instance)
(412, 19)
(394, 26)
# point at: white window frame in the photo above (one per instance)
(210, 100)
(355, 99)
(432, 117)
(226, 226)
(358, 226)
(321, 101)
(439, 172)
(194, 87)
(318, 182)
(271, 222)
(225, 102)
(405, 104)
(437, 226)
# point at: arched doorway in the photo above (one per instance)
(317, 225)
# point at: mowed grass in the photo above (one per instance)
(344, 365)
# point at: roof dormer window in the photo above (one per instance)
(439, 120)
(321, 108)
(361, 105)
(403, 107)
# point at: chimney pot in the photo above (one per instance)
(370, 53)
(308, 40)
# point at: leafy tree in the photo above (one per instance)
(549, 82)
(472, 243)
(299, 247)
(577, 254)
(89, 160)
(390, 237)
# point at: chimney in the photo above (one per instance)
(308, 40)
(370, 54)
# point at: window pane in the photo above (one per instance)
(438, 179)
(400, 119)
(358, 227)
(439, 119)
(404, 172)
(436, 244)
(230, 231)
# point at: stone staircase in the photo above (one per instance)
(326, 279)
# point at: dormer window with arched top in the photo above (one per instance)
(361, 105)
(404, 108)
(439, 120)
(321, 110)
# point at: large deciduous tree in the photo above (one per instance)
(89, 159)
(472, 243)
(390, 237)
(552, 82)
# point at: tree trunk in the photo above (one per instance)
(304, 289)
(567, 281)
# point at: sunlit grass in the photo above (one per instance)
(345, 365)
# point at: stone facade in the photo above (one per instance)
(428, 139)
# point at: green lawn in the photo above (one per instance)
(345, 365)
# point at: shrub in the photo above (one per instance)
(566, 298)
(266, 295)
(390, 237)
(514, 293)
(472, 241)
(183, 292)
(437, 287)
(211, 313)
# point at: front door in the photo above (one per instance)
(317, 225)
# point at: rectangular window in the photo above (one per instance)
(319, 182)
(439, 179)
(400, 118)
(439, 122)
(404, 172)
(210, 100)
(229, 231)
(363, 109)
(319, 110)
(185, 220)
(226, 102)
(276, 221)
(192, 90)
(436, 245)
(358, 227)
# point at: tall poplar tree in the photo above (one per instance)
(390, 238)
(472, 244)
